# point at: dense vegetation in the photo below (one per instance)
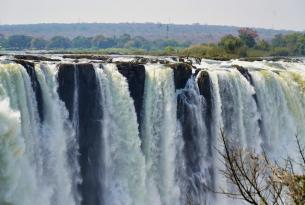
(247, 43)
(195, 33)
(21, 42)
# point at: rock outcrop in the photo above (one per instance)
(182, 72)
(89, 124)
(135, 75)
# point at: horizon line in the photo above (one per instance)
(163, 23)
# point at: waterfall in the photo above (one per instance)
(124, 168)
(239, 110)
(21, 162)
(125, 133)
(42, 176)
(159, 125)
(192, 110)
(281, 102)
(58, 139)
(44, 152)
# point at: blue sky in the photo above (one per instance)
(278, 14)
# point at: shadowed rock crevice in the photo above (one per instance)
(182, 72)
(205, 89)
(135, 75)
(90, 116)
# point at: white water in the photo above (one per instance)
(42, 175)
(281, 101)
(124, 180)
(24, 180)
(194, 109)
(159, 127)
(58, 139)
(174, 161)
(239, 111)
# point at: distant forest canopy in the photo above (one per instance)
(24, 42)
(195, 33)
(247, 43)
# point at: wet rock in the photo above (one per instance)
(135, 75)
(204, 84)
(87, 56)
(174, 58)
(205, 89)
(182, 72)
(33, 58)
(244, 72)
(80, 79)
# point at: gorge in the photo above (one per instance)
(125, 130)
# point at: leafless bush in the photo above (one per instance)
(259, 181)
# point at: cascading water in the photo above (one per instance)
(124, 169)
(43, 175)
(58, 140)
(159, 126)
(192, 112)
(281, 104)
(124, 133)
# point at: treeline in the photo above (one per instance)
(249, 44)
(246, 44)
(195, 33)
(22, 42)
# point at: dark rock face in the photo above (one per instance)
(135, 75)
(30, 69)
(90, 116)
(87, 56)
(204, 84)
(33, 58)
(66, 85)
(244, 72)
(182, 72)
(205, 89)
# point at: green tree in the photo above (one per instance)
(38, 43)
(278, 41)
(248, 36)
(162, 43)
(230, 43)
(263, 45)
(280, 51)
(300, 49)
(122, 40)
(138, 42)
(101, 41)
(81, 42)
(59, 42)
(3, 41)
(19, 42)
(295, 43)
(169, 50)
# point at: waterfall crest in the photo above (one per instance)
(130, 133)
